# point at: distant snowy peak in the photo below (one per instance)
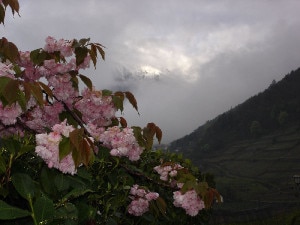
(140, 73)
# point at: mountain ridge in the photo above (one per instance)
(253, 151)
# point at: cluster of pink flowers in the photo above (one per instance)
(122, 142)
(168, 172)
(6, 70)
(51, 67)
(47, 147)
(140, 200)
(63, 88)
(190, 202)
(9, 113)
(41, 118)
(52, 45)
(96, 108)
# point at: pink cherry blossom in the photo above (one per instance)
(40, 118)
(168, 172)
(140, 200)
(31, 73)
(190, 202)
(63, 88)
(138, 207)
(121, 142)
(63, 46)
(47, 147)
(6, 70)
(9, 113)
(7, 131)
(96, 108)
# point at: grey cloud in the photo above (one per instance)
(210, 55)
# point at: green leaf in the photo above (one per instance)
(137, 131)
(118, 102)
(26, 148)
(38, 56)
(10, 92)
(84, 41)
(70, 119)
(86, 212)
(106, 92)
(76, 192)
(67, 215)
(64, 147)
(81, 53)
(24, 185)
(2, 165)
(8, 212)
(11, 145)
(201, 188)
(61, 182)
(43, 209)
(111, 221)
(74, 79)
(46, 180)
(3, 82)
(21, 99)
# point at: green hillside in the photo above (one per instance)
(254, 151)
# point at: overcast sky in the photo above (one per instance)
(185, 61)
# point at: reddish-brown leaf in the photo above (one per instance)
(46, 89)
(2, 14)
(37, 92)
(161, 204)
(123, 122)
(85, 152)
(75, 137)
(131, 99)
(86, 81)
(152, 128)
(158, 134)
(210, 196)
(14, 5)
(9, 50)
(100, 50)
(119, 94)
(93, 54)
(12, 52)
(76, 142)
(27, 90)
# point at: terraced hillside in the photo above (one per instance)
(259, 170)
(253, 150)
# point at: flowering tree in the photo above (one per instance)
(66, 158)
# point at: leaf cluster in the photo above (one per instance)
(32, 193)
(14, 6)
